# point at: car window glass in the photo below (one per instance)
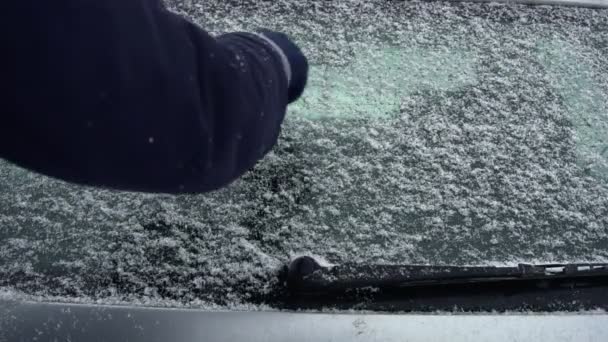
(430, 133)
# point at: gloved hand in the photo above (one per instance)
(295, 63)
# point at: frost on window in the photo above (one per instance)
(574, 74)
(431, 133)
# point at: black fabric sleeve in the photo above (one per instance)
(124, 94)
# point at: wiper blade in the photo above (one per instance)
(306, 284)
(305, 276)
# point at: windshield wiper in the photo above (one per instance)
(306, 276)
(414, 287)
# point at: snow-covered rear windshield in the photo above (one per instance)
(430, 133)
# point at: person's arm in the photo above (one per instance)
(123, 94)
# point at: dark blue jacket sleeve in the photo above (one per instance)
(124, 94)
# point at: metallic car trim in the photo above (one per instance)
(577, 3)
(27, 321)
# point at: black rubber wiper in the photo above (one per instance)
(306, 276)
(413, 287)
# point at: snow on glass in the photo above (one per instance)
(431, 133)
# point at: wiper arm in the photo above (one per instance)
(306, 284)
(305, 276)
